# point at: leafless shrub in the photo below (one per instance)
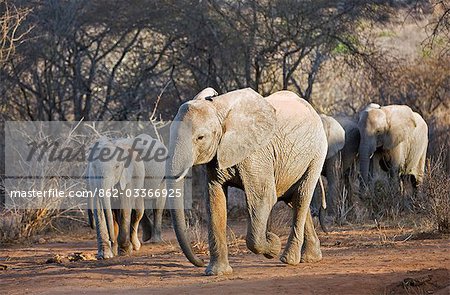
(236, 242)
(199, 237)
(280, 219)
(383, 199)
(434, 200)
(236, 204)
(22, 220)
(10, 20)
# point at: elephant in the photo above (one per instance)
(343, 144)
(336, 141)
(396, 138)
(271, 147)
(155, 171)
(115, 223)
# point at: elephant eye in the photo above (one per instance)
(200, 137)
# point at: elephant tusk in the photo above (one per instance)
(182, 175)
(371, 156)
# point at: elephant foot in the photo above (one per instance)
(146, 236)
(105, 254)
(274, 247)
(290, 257)
(270, 247)
(126, 250)
(314, 254)
(218, 269)
(156, 240)
(114, 249)
(136, 244)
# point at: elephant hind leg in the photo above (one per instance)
(302, 225)
(311, 247)
(147, 226)
(418, 174)
(125, 245)
(157, 220)
(260, 202)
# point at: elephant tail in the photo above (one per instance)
(323, 207)
(90, 212)
(322, 190)
(91, 219)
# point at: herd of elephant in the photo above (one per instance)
(274, 148)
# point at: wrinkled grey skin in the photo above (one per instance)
(343, 143)
(273, 148)
(116, 229)
(396, 138)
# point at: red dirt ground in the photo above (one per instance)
(355, 261)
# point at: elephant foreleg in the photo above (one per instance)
(331, 167)
(136, 218)
(217, 231)
(103, 239)
(157, 219)
(116, 218)
(125, 246)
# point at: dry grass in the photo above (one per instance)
(280, 219)
(434, 201)
(199, 237)
(24, 219)
(384, 199)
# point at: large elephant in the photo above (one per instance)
(396, 138)
(343, 143)
(273, 148)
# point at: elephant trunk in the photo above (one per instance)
(364, 161)
(176, 170)
(103, 217)
(108, 212)
(90, 212)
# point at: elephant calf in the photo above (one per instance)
(117, 218)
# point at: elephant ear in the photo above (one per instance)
(134, 173)
(206, 93)
(401, 122)
(335, 135)
(126, 175)
(248, 126)
(367, 108)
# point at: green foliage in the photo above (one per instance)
(347, 46)
(387, 34)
